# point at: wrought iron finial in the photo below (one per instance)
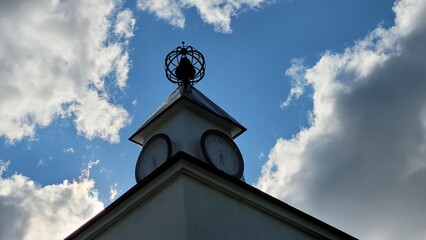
(185, 65)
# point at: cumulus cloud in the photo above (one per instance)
(125, 24)
(57, 60)
(31, 211)
(361, 163)
(215, 12)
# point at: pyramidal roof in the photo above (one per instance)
(194, 96)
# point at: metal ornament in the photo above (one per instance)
(184, 66)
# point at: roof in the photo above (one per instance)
(194, 96)
(182, 156)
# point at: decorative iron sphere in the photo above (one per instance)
(184, 65)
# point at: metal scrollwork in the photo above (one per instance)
(185, 65)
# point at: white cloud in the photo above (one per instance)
(215, 12)
(113, 192)
(96, 117)
(85, 173)
(31, 211)
(41, 162)
(361, 163)
(69, 150)
(134, 102)
(297, 74)
(3, 166)
(125, 24)
(57, 59)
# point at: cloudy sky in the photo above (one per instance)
(332, 92)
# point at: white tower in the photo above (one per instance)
(188, 122)
(189, 175)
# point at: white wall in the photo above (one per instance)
(184, 203)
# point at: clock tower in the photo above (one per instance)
(190, 177)
(188, 122)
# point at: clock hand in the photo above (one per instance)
(221, 159)
(154, 163)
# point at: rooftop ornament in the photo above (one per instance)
(184, 66)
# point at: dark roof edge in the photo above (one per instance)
(184, 96)
(182, 155)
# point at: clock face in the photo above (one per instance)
(222, 152)
(155, 152)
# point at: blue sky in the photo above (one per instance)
(331, 93)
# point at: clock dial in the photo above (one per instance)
(155, 152)
(222, 152)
